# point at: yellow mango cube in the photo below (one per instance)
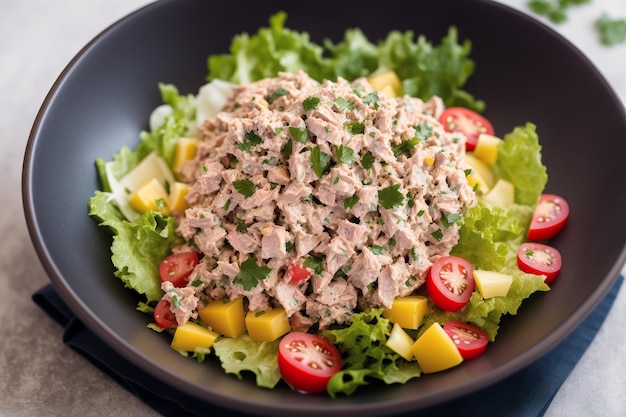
(435, 351)
(178, 192)
(267, 326)
(381, 80)
(480, 174)
(150, 196)
(408, 311)
(502, 194)
(190, 336)
(492, 284)
(487, 148)
(227, 318)
(185, 150)
(400, 342)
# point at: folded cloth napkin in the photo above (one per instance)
(525, 393)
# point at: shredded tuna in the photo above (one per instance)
(358, 186)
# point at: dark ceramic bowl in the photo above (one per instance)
(525, 72)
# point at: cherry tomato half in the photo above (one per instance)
(297, 273)
(549, 217)
(539, 259)
(450, 282)
(470, 340)
(307, 361)
(466, 121)
(163, 316)
(177, 267)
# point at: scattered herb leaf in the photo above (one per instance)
(250, 274)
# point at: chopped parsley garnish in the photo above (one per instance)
(349, 202)
(278, 130)
(277, 94)
(447, 219)
(196, 283)
(226, 205)
(250, 139)
(423, 131)
(612, 31)
(345, 155)
(320, 161)
(367, 160)
(390, 197)
(244, 187)
(250, 274)
(438, 234)
(356, 127)
(311, 103)
(371, 99)
(299, 134)
(290, 246)
(287, 149)
(379, 250)
(343, 104)
(313, 263)
(175, 301)
(406, 147)
(241, 226)
(555, 10)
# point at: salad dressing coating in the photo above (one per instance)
(365, 190)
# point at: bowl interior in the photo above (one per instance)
(524, 72)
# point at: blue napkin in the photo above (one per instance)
(524, 394)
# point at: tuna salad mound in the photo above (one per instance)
(363, 191)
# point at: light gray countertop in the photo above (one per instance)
(39, 376)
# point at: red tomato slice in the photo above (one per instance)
(466, 121)
(470, 340)
(549, 218)
(307, 361)
(163, 316)
(450, 282)
(539, 259)
(177, 267)
(297, 273)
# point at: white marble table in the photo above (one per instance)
(39, 376)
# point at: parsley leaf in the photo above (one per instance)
(343, 104)
(423, 131)
(612, 31)
(244, 187)
(356, 127)
(277, 94)
(437, 234)
(287, 149)
(345, 155)
(299, 134)
(405, 147)
(311, 103)
(378, 250)
(447, 219)
(313, 263)
(367, 160)
(349, 202)
(320, 161)
(372, 99)
(250, 274)
(390, 197)
(250, 139)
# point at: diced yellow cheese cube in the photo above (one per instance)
(227, 318)
(400, 342)
(480, 172)
(492, 284)
(487, 148)
(267, 326)
(177, 201)
(379, 81)
(502, 194)
(429, 160)
(435, 351)
(150, 196)
(185, 150)
(408, 311)
(190, 336)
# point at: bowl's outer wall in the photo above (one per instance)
(524, 72)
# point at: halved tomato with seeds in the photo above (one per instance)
(539, 259)
(466, 121)
(470, 340)
(450, 282)
(307, 361)
(549, 217)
